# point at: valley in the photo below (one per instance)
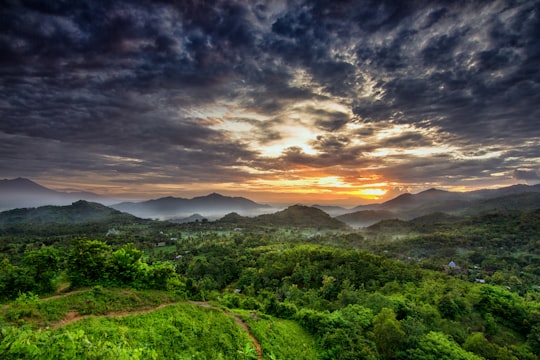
(86, 281)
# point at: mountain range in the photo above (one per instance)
(410, 206)
(24, 193)
(84, 212)
(20, 193)
(212, 206)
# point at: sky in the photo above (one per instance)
(342, 102)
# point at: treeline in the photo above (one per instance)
(500, 248)
(89, 262)
(363, 306)
(353, 303)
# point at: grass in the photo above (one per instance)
(280, 339)
(178, 331)
(95, 301)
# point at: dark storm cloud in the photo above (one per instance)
(406, 140)
(329, 120)
(440, 169)
(83, 80)
(526, 175)
(296, 156)
(467, 78)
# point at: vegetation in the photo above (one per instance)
(177, 331)
(397, 290)
(282, 339)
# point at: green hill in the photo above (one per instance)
(76, 213)
(302, 216)
(297, 216)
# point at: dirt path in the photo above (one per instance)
(63, 294)
(239, 321)
(74, 316)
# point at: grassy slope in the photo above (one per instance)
(135, 322)
(282, 339)
(178, 331)
(97, 301)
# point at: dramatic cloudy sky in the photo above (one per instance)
(274, 100)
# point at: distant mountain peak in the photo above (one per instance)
(20, 181)
(23, 186)
(24, 193)
(210, 205)
(433, 190)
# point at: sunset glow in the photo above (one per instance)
(333, 102)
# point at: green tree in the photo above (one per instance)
(436, 345)
(451, 306)
(387, 332)
(43, 265)
(534, 338)
(125, 265)
(14, 280)
(87, 262)
(159, 275)
(478, 344)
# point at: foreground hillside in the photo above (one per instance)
(132, 324)
(286, 289)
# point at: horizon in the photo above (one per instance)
(330, 203)
(330, 103)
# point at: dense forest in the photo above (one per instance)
(437, 286)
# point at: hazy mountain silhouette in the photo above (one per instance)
(212, 206)
(332, 210)
(365, 218)
(21, 193)
(409, 206)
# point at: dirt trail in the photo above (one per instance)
(74, 316)
(239, 321)
(63, 294)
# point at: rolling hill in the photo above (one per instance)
(76, 213)
(297, 216)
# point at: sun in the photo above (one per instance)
(370, 193)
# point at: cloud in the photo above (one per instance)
(210, 91)
(526, 175)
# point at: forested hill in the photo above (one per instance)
(501, 246)
(514, 221)
(298, 216)
(78, 212)
(390, 294)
